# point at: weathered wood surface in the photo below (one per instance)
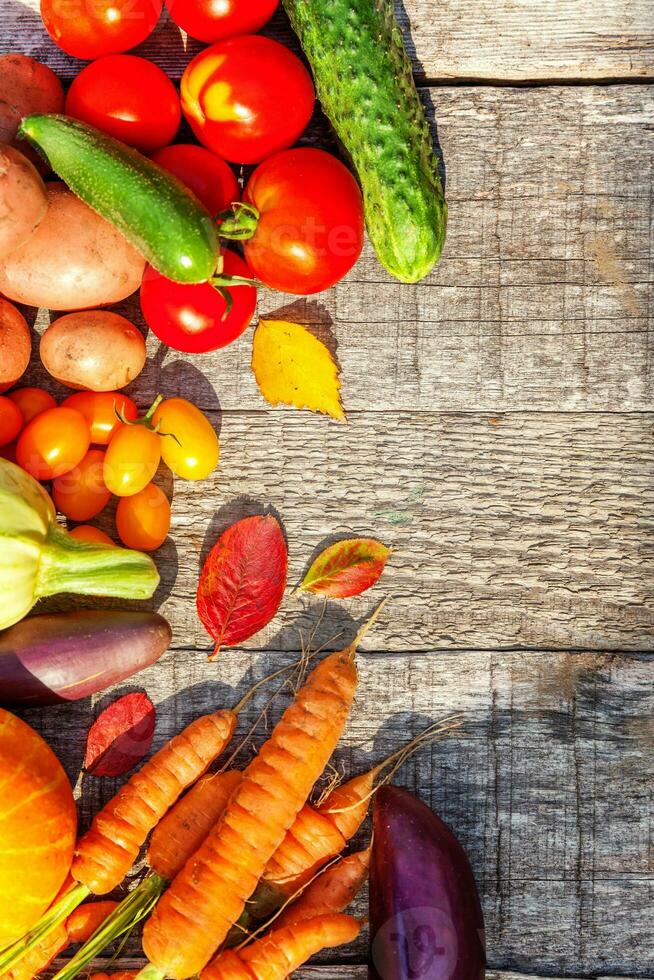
(549, 786)
(546, 272)
(485, 40)
(489, 443)
(526, 530)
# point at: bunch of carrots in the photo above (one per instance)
(246, 879)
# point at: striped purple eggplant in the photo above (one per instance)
(66, 656)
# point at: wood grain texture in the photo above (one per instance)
(503, 40)
(549, 786)
(526, 530)
(489, 444)
(543, 299)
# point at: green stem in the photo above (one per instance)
(132, 910)
(150, 972)
(68, 565)
(49, 921)
(238, 222)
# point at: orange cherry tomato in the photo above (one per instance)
(32, 401)
(99, 409)
(81, 493)
(143, 520)
(53, 443)
(11, 420)
(131, 460)
(85, 532)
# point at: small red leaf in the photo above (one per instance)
(243, 580)
(120, 736)
(346, 568)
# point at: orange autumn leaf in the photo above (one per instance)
(292, 367)
(346, 568)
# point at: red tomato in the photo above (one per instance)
(208, 20)
(129, 98)
(99, 409)
(53, 443)
(190, 318)
(310, 230)
(11, 420)
(247, 97)
(92, 535)
(206, 174)
(143, 520)
(92, 29)
(31, 401)
(81, 493)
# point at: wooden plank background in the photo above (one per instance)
(500, 438)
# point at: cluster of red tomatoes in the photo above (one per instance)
(93, 446)
(247, 100)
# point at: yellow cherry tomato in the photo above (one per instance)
(131, 460)
(86, 532)
(143, 520)
(189, 445)
(81, 493)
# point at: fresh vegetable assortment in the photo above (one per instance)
(38, 824)
(248, 869)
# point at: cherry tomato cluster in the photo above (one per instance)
(247, 100)
(94, 445)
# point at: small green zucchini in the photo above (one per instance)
(153, 210)
(365, 84)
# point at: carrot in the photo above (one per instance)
(180, 833)
(173, 842)
(277, 954)
(194, 916)
(120, 975)
(40, 956)
(84, 921)
(107, 851)
(77, 929)
(331, 891)
(320, 833)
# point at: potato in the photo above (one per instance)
(23, 200)
(75, 259)
(96, 350)
(15, 345)
(26, 86)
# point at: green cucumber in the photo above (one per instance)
(153, 210)
(365, 84)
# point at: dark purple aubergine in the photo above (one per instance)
(67, 656)
(426, 921)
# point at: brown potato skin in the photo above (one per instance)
(26, 86)
(95, 350)
(74, 260)
(15, 345)
(23, 200)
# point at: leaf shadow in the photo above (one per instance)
(312, 315)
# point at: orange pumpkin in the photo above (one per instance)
(38, 823)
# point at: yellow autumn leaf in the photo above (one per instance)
(295, 368)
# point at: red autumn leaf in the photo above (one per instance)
(346, 568)
(120, 736)
(243, 580)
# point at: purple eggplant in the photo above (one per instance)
(426, 921)
(67, 656)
